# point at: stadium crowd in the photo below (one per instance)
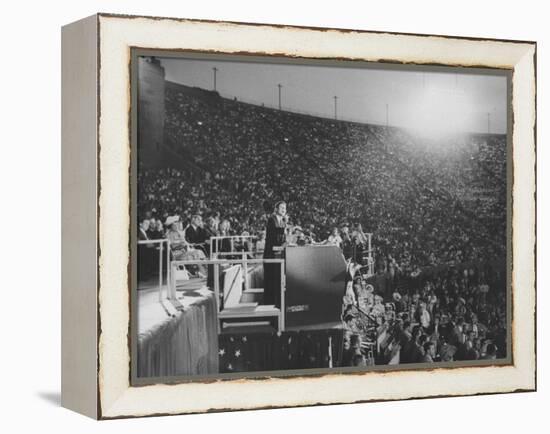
(438, 219)
(445, 313)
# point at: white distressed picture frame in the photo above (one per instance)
(96, 217)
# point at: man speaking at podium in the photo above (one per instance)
(275, 236)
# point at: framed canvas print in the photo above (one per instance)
(260, 216)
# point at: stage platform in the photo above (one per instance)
(182, 337)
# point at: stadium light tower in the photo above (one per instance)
(335, 107)
(280, 87)
(215, 71)
(488, 123)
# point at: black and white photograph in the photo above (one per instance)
(295, 217)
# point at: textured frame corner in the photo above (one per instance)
(116, 36)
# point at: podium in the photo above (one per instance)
(315, 284)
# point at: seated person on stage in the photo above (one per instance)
(347, 243)
(246, 244)
(181, 250)
(225, 231)
(334, 238)
(309, 232)
(156, 230)
(211, 227)
(146, 252)
(227, 245)
(360, 242)
(301, 239)
(295, 237)
(260, 243)
(196, 235)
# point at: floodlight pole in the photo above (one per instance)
(279, 86)
(335, 107)
(387, 115)
(488, 123)
(215, 71)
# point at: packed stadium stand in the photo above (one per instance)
(234, 157)
(437, 209)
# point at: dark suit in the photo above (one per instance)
(197, 236)
(142, 235)
(209, 232)
(145, 256)
(274, 236)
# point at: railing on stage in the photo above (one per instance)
(217, 245)
(242, 241)
(239, 251)
(161, 243)
(232, 308)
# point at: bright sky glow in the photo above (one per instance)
(432, 104)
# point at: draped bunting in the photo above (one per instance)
(186, 344)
